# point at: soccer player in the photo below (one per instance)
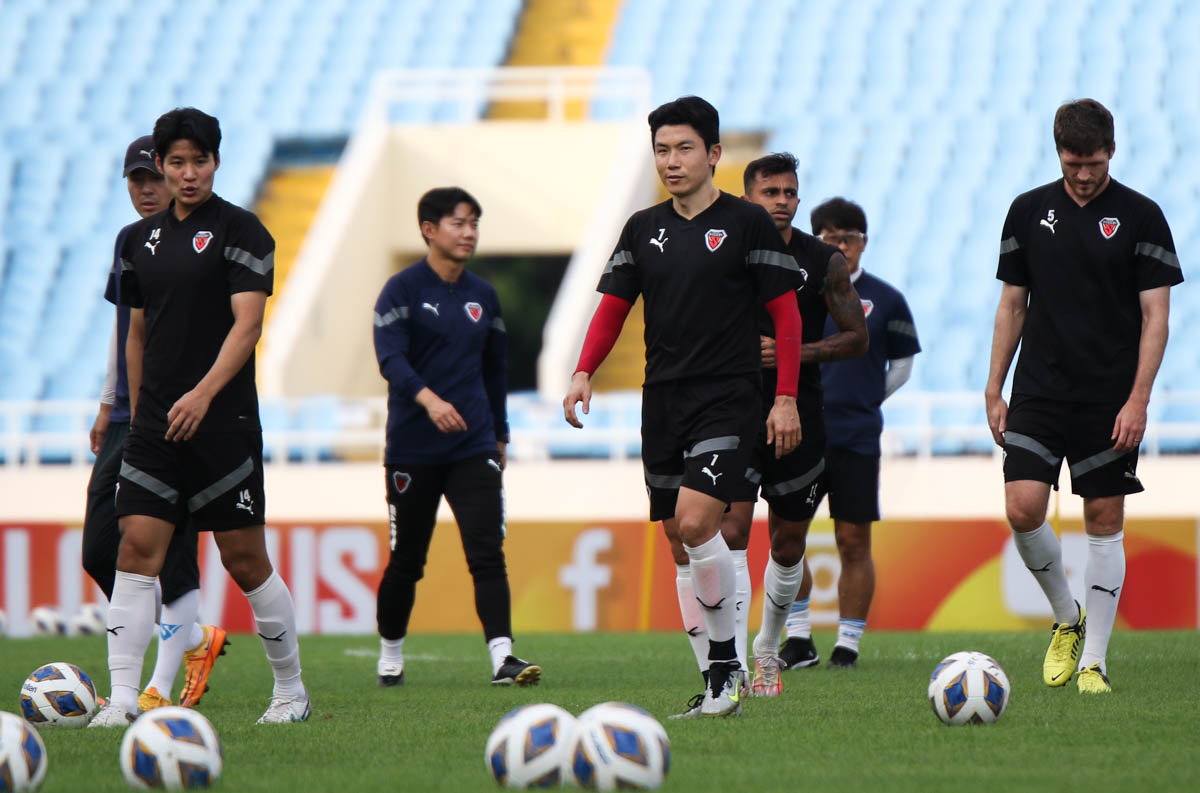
(703, 261)
(793, 484)
(197, 277)
(180, 636)
(1087, 266)
(441, 346)
(854, 391)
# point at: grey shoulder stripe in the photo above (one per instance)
(1099, 460)
(383, 320)
(720, 444)
(248, 260)
(902, 327)
(799, 483)
(498, 324)
(1157, 252)
(1009, 245)
(144, 480)
(221, 486)
(773, 258)
(1029, 444)
(620, 257)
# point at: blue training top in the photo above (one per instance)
(854, 388)
(449, 337)
(112, 293)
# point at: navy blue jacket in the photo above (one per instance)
(449, 337)
(112, 293)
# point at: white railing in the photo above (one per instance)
(920, 424)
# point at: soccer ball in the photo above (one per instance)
(620, 746)
(88, 622)
(968, 688)
(47, 621)
(172, 748)
(59, 695)
(22, 755)
(531, 747)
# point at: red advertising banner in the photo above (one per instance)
(619, 576)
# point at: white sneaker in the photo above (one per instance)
(287, 709)
(112, 715)
(722, 697)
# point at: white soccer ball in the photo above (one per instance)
(620, 746)
(968, 688)
(48, 621)
(88, 622)
(22, 755)
(171, 748)
(531, 747)
(58, 695)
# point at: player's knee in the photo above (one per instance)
(1023, 516)
(854, 547)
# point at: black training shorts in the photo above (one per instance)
(1041, 432)
(793, 485)
(853, 482)
(699, 433)
(217, 478)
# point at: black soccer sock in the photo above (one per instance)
(394, 605)
(493, 604)
(722, 651)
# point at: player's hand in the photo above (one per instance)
(99, 427)
(783, 426)
(997, 416)
(503, 447)
(768, 352)
(1130, 426)
(444, 416)
(580, 391)
(184, 417)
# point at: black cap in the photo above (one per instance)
(140, 154)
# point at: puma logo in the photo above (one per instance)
(661, 241)
(1112, 591)
(114, 629)
(1049, 221)
(493, 464)
(713, 607)
(776, 603)
(153, 246)
(432, 307)
(149, 154)
(713, 476)
(693, 631)
(1039, 569)
(278, 638)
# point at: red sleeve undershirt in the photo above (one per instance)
(785, 313)
(602, 333)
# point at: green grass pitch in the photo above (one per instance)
(867, 729)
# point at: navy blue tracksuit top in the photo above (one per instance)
(449, 337)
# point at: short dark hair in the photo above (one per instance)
(1082, 127)
(692, 111)
(442, 201)
(770, 165)
(838, 213)
(187, 123)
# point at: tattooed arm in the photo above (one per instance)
(846, 309)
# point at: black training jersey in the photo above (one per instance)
(813, 257)
(702, 280)
(182, 272)
(1083, 267)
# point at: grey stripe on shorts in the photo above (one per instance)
(143, 479)
(1030, 445)
(221, 486)
(1098, 460)
(799, 483)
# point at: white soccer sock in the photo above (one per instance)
(713, 583)
(499, 648)
(130, 625)
(275, 617)
(799, 623)
(693, 617)
(780, 585)
(1042, 554)
(196, 634)
(158, 604)
(391, 651)
(1104, 577)
(849, 633)
(741, 600)
(175, 629)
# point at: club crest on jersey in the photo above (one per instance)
(713, 238)
(401, 481)
(474, 311)
(200, 241)
(1109, 226)
(868, 307)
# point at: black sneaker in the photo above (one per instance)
(798, 652)
(842, 658)
(514, 670)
